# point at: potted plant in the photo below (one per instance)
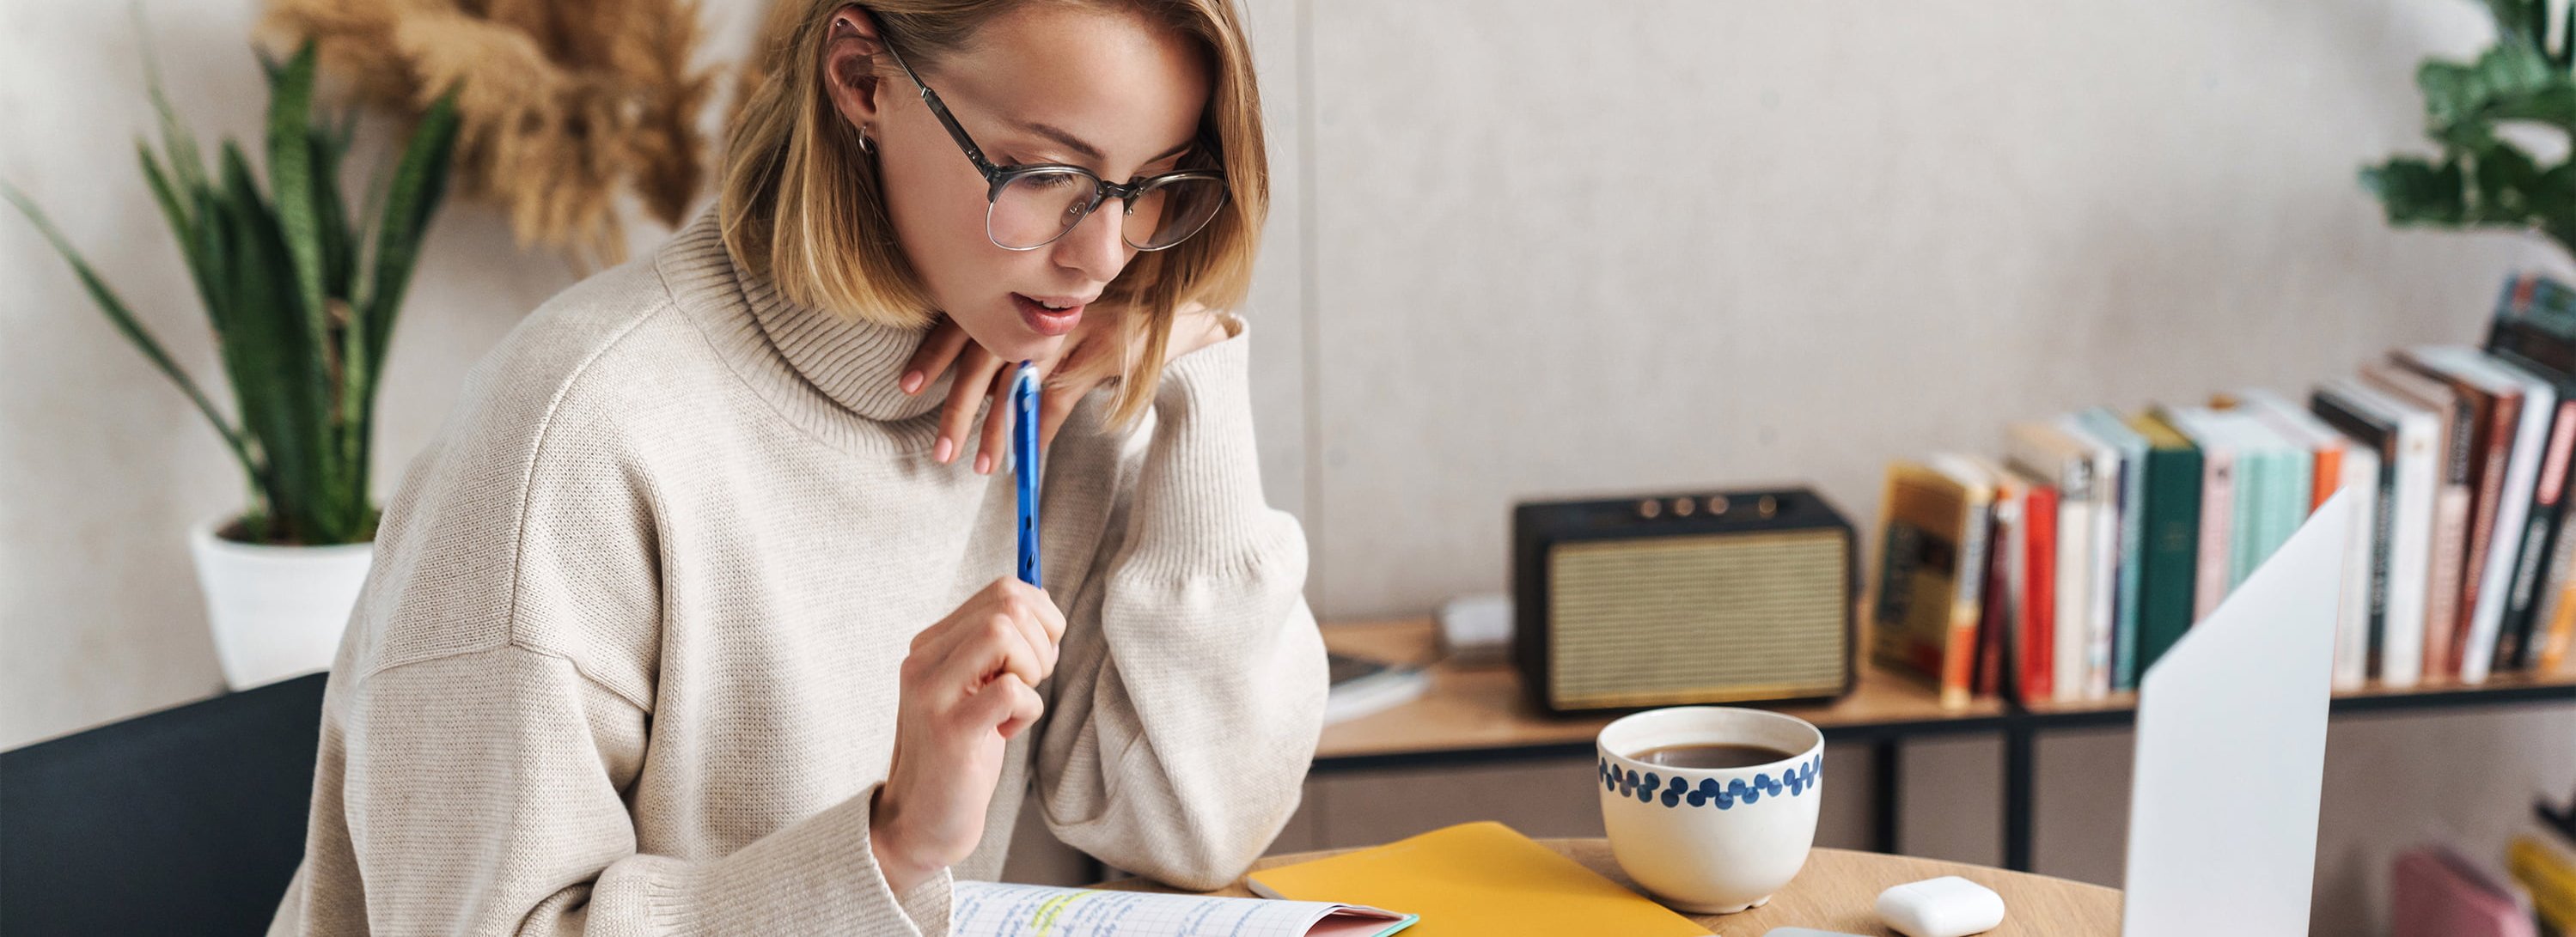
(301, 301)
(2483, 178)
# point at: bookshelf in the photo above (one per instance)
(1479, 714)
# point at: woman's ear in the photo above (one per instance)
(849, 67)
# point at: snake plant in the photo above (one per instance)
(2483, 179)
(301, 300)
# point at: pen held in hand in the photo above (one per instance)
(1024, 465)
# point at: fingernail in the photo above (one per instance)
(944, 450)
(912, 382)
(983, 463)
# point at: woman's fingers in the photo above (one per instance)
(1057, 407)
(1007, 705)
(994, 646)
(1041, 606)
(997, 422)
(974, 379)
(938, 349)
(1026, 707)
(977, 640)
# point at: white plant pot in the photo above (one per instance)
(277, 612)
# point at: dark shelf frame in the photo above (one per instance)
(2019, 728)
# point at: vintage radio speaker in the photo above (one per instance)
(1740, 596)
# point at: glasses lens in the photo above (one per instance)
(1038, 207)
(1171, 210)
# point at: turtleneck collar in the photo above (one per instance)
(857, 364)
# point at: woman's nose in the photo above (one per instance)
(1097, 245)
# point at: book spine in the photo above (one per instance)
(2168, 582)
(2383, 537)
(1958, 655)
(2326, 478)
(2513, 640)
(2410, 545)
(2297, 485)
(2102, 621)
(2074, 585)
(2217, 521)
(2253, 486)
(2357, 614)
(2039, 644)
(2560, 608)
(2134, 478)
(1986, 677)
(2449, 557)
(2496, 450)
(2449, 554)
(2376, 450)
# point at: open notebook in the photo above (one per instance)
(993, 909)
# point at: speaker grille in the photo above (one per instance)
(1697, 619)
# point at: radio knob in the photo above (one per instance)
(1650, 509)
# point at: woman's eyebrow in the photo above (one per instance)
(1078, 145)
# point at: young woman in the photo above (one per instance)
(697, 618)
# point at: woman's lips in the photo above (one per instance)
(1045, 321)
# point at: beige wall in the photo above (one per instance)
(1520, 248)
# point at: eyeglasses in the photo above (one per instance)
(1030, 206)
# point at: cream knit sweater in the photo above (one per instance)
(626, 663)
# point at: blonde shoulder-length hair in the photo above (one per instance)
(802, 204)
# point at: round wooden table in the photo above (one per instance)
(1837, 891)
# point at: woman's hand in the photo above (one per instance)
(968, 686)
(1077, 367)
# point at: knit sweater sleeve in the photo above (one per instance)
(492, 716)
(483, 794)
(1190, 690)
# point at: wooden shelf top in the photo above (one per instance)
(2371, 695)
(1483, 707)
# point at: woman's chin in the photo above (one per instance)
(1016, 342)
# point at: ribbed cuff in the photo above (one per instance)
(818, 875)
(1200, 500)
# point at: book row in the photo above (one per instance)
(2064, 567)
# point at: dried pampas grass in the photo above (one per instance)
(565, 103)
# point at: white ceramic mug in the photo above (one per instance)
(1710, 840)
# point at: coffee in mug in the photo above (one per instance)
(1710, 808)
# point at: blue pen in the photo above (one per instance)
(1024, 462)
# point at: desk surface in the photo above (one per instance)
(1838, 891)
(1482, 707)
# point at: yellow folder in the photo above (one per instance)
(1477, 878)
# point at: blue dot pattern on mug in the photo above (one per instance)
(1652, 788)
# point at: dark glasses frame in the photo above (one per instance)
(997, 178)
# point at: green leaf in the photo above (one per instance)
(2417, 192)
(2556, 195)
(186, 165)
(122, 317)
(2507, 82)
(215, 245)
(273, 361)
(2506, 181)
(410, 200)
(339, 243)
(183, 225)
(292, 181)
